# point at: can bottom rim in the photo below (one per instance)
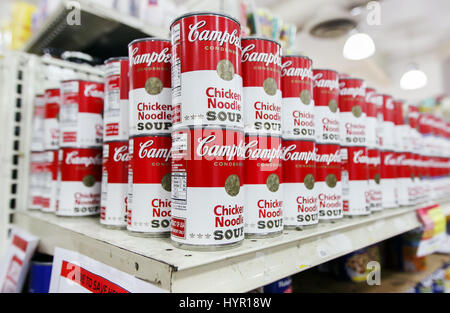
(206, 248)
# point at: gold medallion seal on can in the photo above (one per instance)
(166, 182)
(357, 111)
(270, 86)
(377, 178)
(273, 182)
(309, 181)
(332, 105)
(331, 180)
(154, 86)
(225, 69)
(88, 180)
(232, 185)
(305, 96)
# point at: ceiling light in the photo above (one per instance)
(413, 78)
(358, 46)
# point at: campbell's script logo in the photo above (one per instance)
(390, 159)
(217, 150)
(359, 157)
(260, 153)
(72, 158)
(328, 158)
(325, 83)
(92, 91)
(149, 58)
(146, 150)
(287, 70)
(266, 58)
(352, 91)
(121, 154)
(213, 35)
(305, 156)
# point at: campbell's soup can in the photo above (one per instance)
(206, 70)
(326, 106)
(149, 181)
(114, 184)
(261, 79)
(300, 208)
(297, 118)
(389, 179)
(35, 191)
(208, 188)
(352, 115)
(415, 190)
(37, 133)
(81, 113)
(263, 214)
(115, 116)
(50, 181)
(374, 193)
(402, 138)
(328, 182)
(80, 181)
(388, 128)
(51, 121)
(150, 97)
(355, 181)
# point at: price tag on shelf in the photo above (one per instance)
(73, 272)
(433, 220)
(16, 261)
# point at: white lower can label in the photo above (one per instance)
(50, 181)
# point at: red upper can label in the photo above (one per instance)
(298, 103)
(263, 161)
(299, 162)
(328, 164)
(81, 165)
(388, 165)
(216, 153)
(354, 162)
(115, 161)
(150, 160)
(326, 101)
(87, 95)
(51, 127)
(150, 87)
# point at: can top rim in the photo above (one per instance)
(115, 59)
(147, 39)
(368, 87)
(260, 38)
(385, 94)
(203, 13)
(79, 80)
(325, 69)
(296, 56)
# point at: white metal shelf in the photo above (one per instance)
(255, 263)
(103, 32)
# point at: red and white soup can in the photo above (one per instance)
(299, 183)
(389, 179)
(115, 115)
(37, 133)
(326, 106)
(81, 113)
(355, 181)
(263, 214)
(50, 184)
(149, 185)
(261, 79)
(297, 118)
(80, 181)
(207, 188)
(51, 121)
(374, 193)
(114, 184)
(206, 70)
(352, 115)
(150, 97)
(328, 182)
(35, 190)
(388, 128)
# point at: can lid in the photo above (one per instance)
(325, 69)
(296, 56)
(203, 13)
(148, 39)
(113, 59)
(260, 38)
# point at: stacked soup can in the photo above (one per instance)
(37, 158)
(300, 205)
(115, 144)
(150, 126)
(208, 143)
(327, 150)
(261, 70)
(80, 147)
(353, 136)
(51, 146)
